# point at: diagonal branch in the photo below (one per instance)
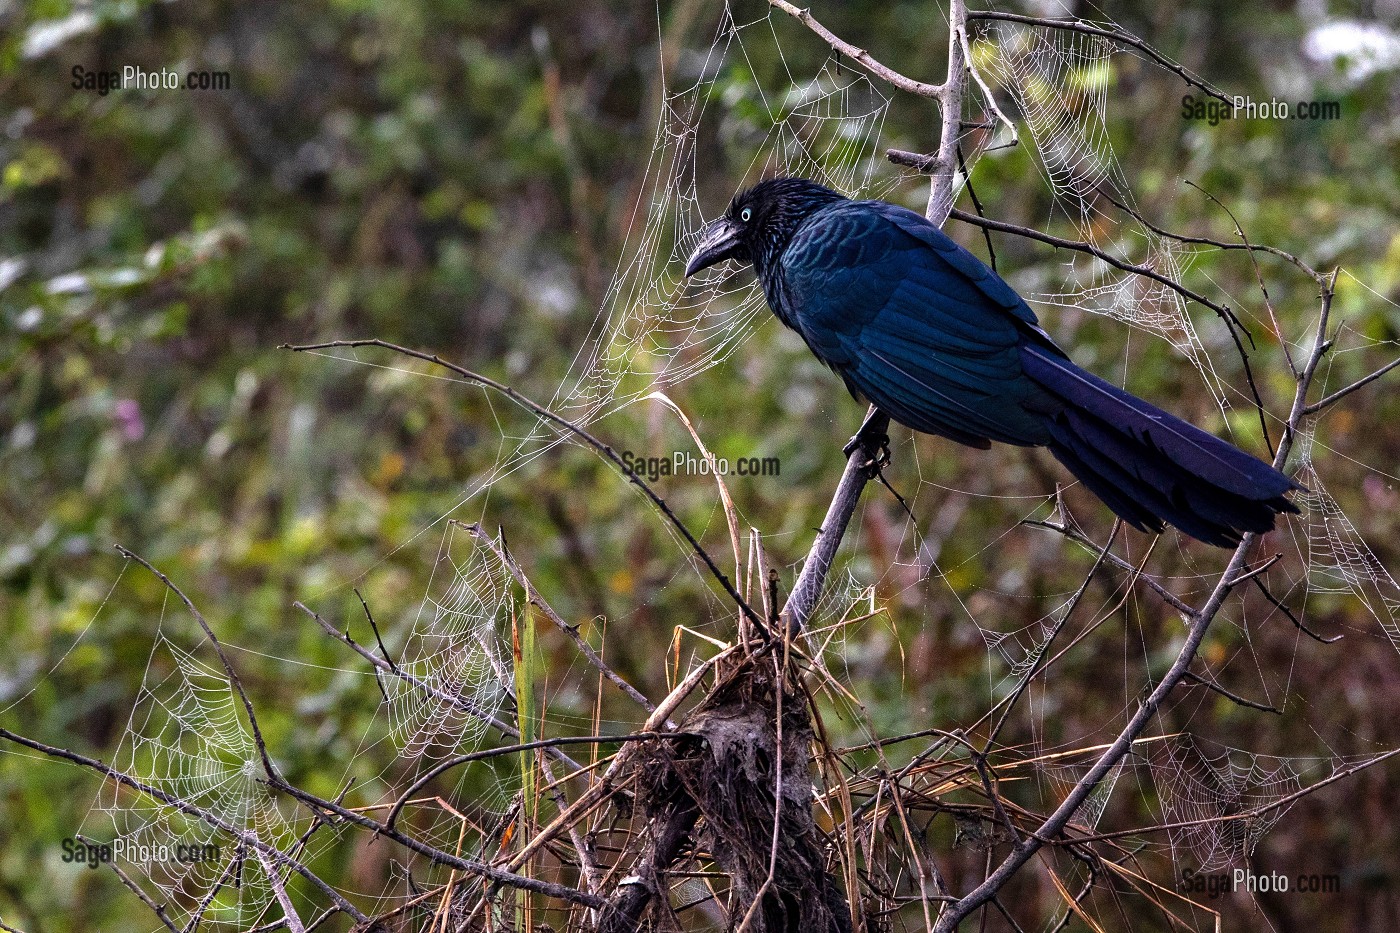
(567, 426)
(1123, 38)
(856, 54)
(1056, 823)
(807, 591)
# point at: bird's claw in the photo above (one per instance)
(881, 457)
(875, 446)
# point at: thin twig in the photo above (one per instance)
(559, 421)
(1262, 568)
(1258, 278)
(1283, 254)
(1073, 534)
(858, 55)
(234, 682)
(1077, 25)
(1233, 697)
(1340, 394)
(441, 856)
(1233, 817)
(157, 909)
(377, 640)
(1288, 614)
(1059, 626)
(1233, 324)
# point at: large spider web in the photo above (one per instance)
(655, 329)
(1060, 82)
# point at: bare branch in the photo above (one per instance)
(943, 172)
(807, 591)
(1340, 394)
(237, 684)
(1123, 38)
(858, 55)
(279, 891)
(157, 909)
(1288, 257)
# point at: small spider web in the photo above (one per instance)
(187, 738)
(1205, 791)
(457, 664)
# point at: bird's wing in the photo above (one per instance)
(914, 322)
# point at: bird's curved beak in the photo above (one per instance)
(718, 241)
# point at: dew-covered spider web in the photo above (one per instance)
(656, 329)
(1221, 800)
(1060, 83)
(457, 666)
(189, 740)
(1338, 558)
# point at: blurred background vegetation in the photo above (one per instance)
(459, 178)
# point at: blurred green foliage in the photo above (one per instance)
(459, 178)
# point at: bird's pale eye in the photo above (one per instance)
(746, 214)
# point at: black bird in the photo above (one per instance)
(927, 333)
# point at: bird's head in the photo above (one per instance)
(759, 223)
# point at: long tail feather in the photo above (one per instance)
(1151, 467)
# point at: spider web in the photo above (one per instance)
(1208, 793)
(187, 738)
(656, 329)
(1059, 81)
(456, 664)
(1339, 559)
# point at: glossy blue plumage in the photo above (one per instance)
(926, 332)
